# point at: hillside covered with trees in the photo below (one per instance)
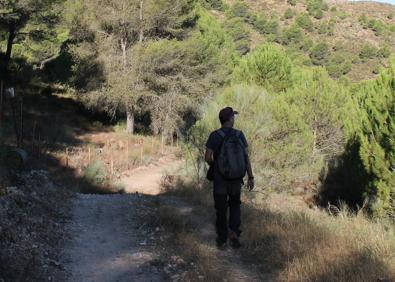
(314, 80)
(105, 110)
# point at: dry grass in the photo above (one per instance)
(200, 262)
(307, 245)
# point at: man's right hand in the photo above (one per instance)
(250, 184)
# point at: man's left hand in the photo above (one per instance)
(250, 184)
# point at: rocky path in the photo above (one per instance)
(107, 244)
(109, 241)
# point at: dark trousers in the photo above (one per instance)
(222, 202)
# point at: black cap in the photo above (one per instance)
(226, 113)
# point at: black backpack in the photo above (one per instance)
(231, 158)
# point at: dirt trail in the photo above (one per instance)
(109, 241)
(107, 244)
(147, 180)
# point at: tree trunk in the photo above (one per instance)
(123, 46)
(1, 102)
(141, 35)
(7, 57)
(129, 120)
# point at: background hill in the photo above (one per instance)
(358, 36)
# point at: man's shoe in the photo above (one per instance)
(221, 245)
(234, 240)
(235, 243)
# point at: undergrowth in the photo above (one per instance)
(299, 244)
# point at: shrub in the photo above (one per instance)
(316, 8)
(304, 21)
(290, 134)
(384, 52)
(214, 4)
(267, 66)
(376, 70)
(390, 16)
(292, 35)
(368, 52)
(264, 25)
(318, 14)
(288, 14)
(377, 26)
(323, 28)
(95, 173)
(364, 22)
(342, 15)
(319, 54)
(271, 126)
(338, 65)
(331, 28)
(307, 44)
(292, 2)
(240, 9)
(333, 9)
(240, 35)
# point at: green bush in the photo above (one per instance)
(377, 26)
(368, 52)
(318, 14)
(266, 66)
(95, 173)
(363, 21)
(240, 9)
(376, 70)
(290, 134)
(288, 14)
(292, 35)
(333, 9)
(338, 65)
(384, 52)
(271, 126)
(292, 2)
(307, 44)
(319, 54)
(316, 8)
(303, 20)
(214, 4)
(264, 25)
(327, 28)
(241, 36)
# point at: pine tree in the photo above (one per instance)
(377, 140)
(267, 66)
(32, 21)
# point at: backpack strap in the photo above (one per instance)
(221, 133)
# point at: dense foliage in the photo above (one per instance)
(179, 62)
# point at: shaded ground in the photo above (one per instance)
(32, 216)
(106, 241)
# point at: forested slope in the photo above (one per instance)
(296, 70)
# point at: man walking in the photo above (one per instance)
(226, 153)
